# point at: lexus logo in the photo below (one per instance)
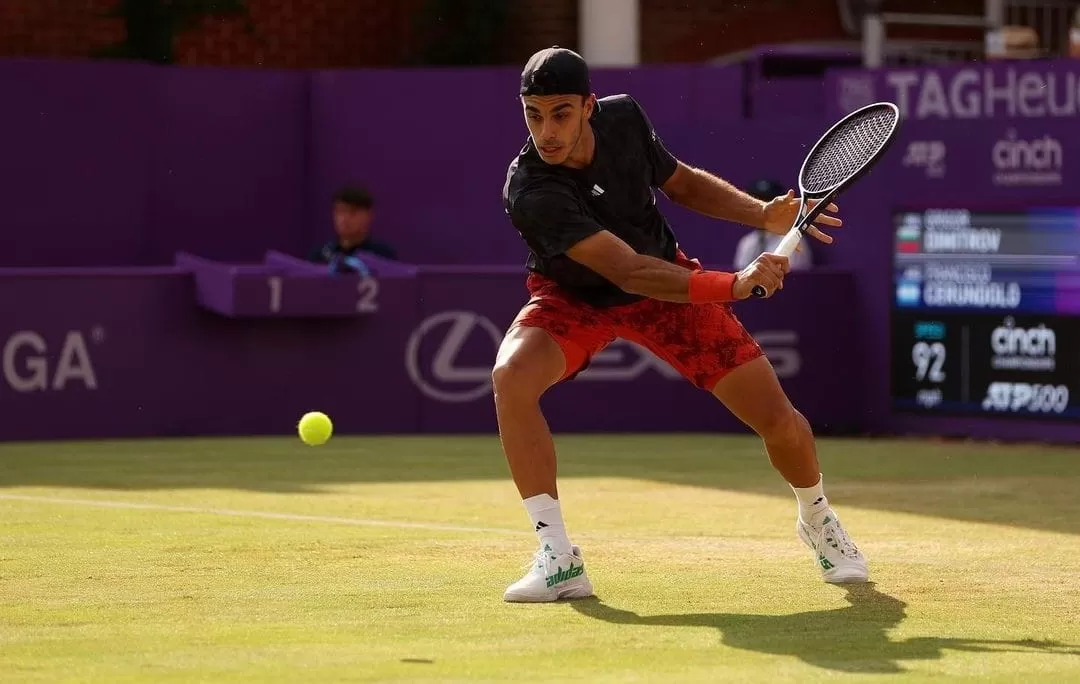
(445, 380)
(443, 376)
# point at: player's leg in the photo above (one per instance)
(529, 361)
(711, 348)
(548, 342)
(753, 393)
(766, 409)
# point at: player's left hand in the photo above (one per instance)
(781, 213)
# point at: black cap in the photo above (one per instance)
(555, 71)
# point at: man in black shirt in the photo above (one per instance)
(604, 263)
(352, 223)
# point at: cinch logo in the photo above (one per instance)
(1030, 349)
(31, 364)
(1027, 162)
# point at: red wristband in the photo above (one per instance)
(711, 286)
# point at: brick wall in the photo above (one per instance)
(285, 33)
(58, 28)
(536, 24)
(350, 33)
(695, 31)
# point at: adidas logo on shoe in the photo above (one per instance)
(562, 575)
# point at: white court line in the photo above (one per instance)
(266, 515)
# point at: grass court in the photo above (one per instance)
(385, 558)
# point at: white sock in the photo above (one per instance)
(547, 521)
(812, 502)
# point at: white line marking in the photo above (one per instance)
(292, 517)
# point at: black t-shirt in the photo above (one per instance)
(338, 256)
(555, 207)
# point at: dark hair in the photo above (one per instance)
(354, 196)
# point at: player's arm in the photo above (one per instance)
(696, 189)
(701, 191)
(606, 254)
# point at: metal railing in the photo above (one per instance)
(1051, 20)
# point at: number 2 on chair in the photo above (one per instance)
(368, 291)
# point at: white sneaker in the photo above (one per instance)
(552, 577)
(839, 558)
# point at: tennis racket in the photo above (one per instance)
(839, 158)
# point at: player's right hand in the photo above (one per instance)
(767, 270)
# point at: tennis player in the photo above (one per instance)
(604, 263)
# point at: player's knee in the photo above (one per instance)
(528, 362)
(785, 427)
(514, 378)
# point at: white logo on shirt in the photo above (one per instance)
(597, 191)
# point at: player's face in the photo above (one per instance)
(556, 122)
(351, 223)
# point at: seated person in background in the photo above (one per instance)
(352, 223)
(756, 242)
(1074, 35)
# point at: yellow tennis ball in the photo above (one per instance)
(315, 428)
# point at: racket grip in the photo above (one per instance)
(758, 291)
(789, 243)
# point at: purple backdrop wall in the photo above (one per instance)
(75, 168)
(436, 157)
(120, 164)
(100, 353)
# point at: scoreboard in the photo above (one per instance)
(986, 313)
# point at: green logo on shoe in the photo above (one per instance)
(567, 574)
(825, 564)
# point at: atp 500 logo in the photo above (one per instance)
(435, 357)
(32, 362)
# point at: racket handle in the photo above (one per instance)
(789, 243)
(785, 248)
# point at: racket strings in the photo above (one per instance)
(848, 148)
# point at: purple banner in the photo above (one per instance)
(133, 354)
(128, 165)
(1034, 89)
(90, 354)
(230, 163)
(994, 163)
(119, 165)
(452, 349)
(76, 163)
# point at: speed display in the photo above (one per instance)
(986, 313)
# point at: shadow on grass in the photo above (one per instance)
(849, 639)
(1020, 485)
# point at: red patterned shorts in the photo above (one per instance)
(704, 342)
